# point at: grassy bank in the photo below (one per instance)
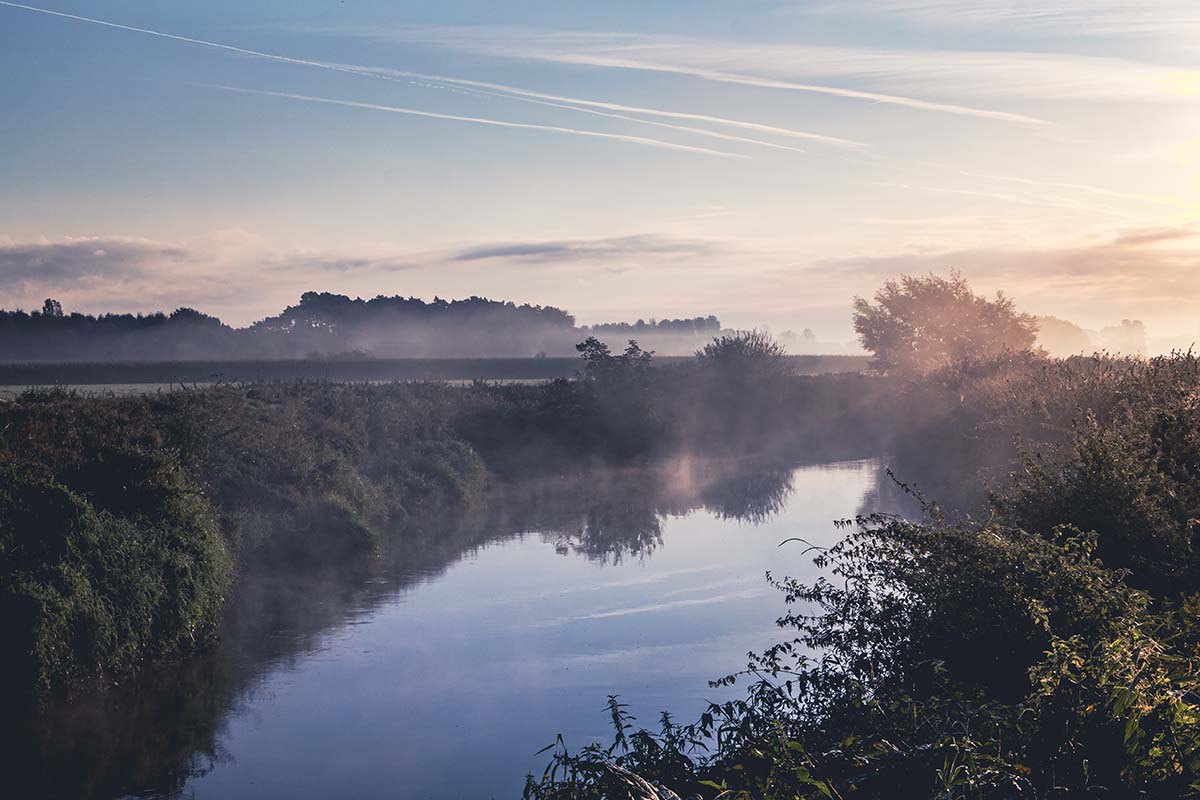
(126, 519)
(123, 520)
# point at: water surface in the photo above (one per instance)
(439, 671)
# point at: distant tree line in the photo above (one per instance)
(696, 326)
(323, 324)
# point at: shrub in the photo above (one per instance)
(935, 661)
(103, 573)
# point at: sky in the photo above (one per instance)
(764, 161)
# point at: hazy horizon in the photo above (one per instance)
(763, 163)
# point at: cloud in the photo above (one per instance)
(241, 277)
(67, 260)
(1075, 17)
(895, 76)
(1129, 270)
(509, 92)
(1025, 200)
(1154, 236)
(304, 262)
(620, 137)
(573, 103)
(750, 64)
(1080, 187)
(572, 250)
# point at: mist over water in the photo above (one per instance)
(441, 668)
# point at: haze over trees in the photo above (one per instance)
(1127, 338)
(1061, 338)
(323, 324)
(918, 324)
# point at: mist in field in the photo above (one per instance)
(334, 326)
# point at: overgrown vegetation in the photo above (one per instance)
(106, 559)
(1052, 650)
(310, 473)
(1037, 635)
(120, 516)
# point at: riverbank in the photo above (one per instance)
(1046, 647)
(486, 637)
(194, 486)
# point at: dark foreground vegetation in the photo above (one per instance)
(1035, 634)
(1040, 637)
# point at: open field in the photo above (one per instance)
(167, 373)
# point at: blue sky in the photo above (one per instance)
(764, 161)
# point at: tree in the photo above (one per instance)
(52, 308)
(600, 365)
(921, 323)
(745, 357)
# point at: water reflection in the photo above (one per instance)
(617, 514)
(163, 732)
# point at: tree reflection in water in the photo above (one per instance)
(151, 733)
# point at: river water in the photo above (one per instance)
(441, 668)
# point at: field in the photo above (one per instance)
(168, 373)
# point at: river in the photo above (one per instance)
(439, 669)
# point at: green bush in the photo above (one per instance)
(104, 573)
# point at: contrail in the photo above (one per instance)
(620, 137)
(227, 47)
(517, 93)
(855, 94)
(579, 101)
(684, 128)
(719, 76)
(1082, 187)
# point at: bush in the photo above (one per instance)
(104, 573)
(937, 661)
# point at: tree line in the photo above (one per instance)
(323, 324)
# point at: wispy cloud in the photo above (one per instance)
(566, 101)
(620, 137)
(758, 65)
(588, 249)
(579, 105)
(895, 76)
(1076, 17)
(1154, 236)
(304, 262)
(1133, 268)
(53, 263)
(1024, 200)
(1080, 187)
(162, 35)
(241, 276)
(617, 52)
(464, 86)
